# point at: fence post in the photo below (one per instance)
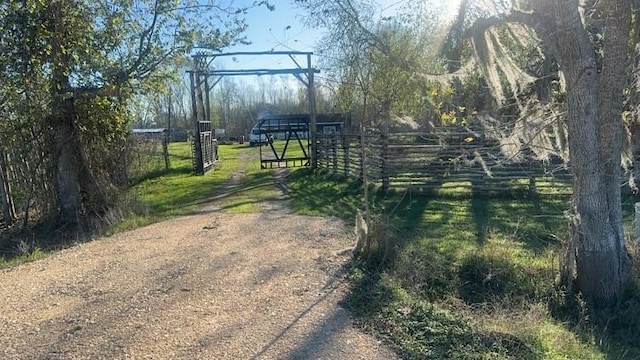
(165, 152)
(362, 169)
(384, 156)
(346, 145)
(334, 152)
(637, 222)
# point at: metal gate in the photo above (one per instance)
(205, 148)
(287, 128)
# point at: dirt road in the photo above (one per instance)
(208, 286)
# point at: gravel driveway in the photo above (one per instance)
(208, 286)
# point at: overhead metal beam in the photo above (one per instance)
(258, 72)
(255, 53)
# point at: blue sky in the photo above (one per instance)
(283, 29)
(269, 29)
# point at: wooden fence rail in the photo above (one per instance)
(420, 162)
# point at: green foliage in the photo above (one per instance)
(75, 65)
(376, 81)
(374, 62)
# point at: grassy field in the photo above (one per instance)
(471, 277)
(162, 194)
(157, 193)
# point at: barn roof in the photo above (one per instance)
(149, 131)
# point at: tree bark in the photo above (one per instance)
(595, 142)
(67, 162)
(614, 79)
(8, 209)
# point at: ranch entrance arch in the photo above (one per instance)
(201, 86)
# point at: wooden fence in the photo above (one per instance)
(424, 162)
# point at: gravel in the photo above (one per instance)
(209, 286)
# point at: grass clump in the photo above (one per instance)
(497, 271)
(420, 329)
(33, 254)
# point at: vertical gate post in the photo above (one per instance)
(197, 148)
(312, 116)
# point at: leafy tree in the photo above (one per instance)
(83, 60)
(373, 59)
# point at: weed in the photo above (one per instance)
(494, 273)
(426, 272)
(35, 253)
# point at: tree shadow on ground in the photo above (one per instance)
(536, 221)
(317, 340)
(433, 233)
(481, 213)
(419, 330)
(318, 193)
(427, 270)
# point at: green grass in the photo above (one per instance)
(293, 149)
(169, 193)
(32, 255)
(157, 193)
(322, 195)
(470, 276)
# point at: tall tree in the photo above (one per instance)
(595, 104)
(595, 84)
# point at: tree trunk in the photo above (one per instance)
(595, 142)
(67, 162)
(8, 209)
(614, 79)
